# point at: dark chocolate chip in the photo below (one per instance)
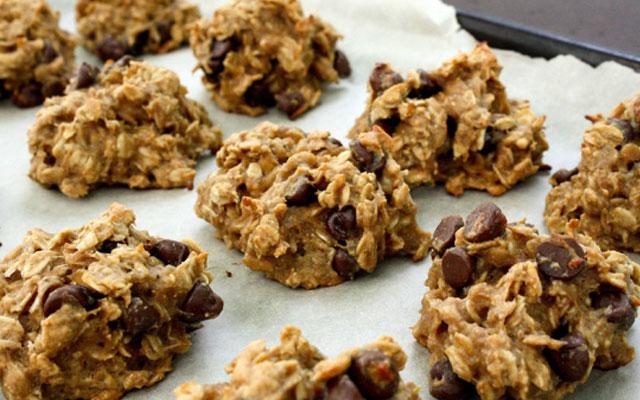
(201, 304)
(344, 264)
(290, 103)
(563, 175)
(341, 64)
(452, 126)
(618, 307)
(170, 252)
(342, 388)
(87, 75)
(164, 30)
(368, 161)
(382, 78)
(335, 141)
(53, 89)
(4, 93)
(49, 54)
(219, 50)
(624, 125)
(301, 194)
(445, 234)
(457, 267)
(375, 375)
(428, 87)
(492, 137)
(140, 43)
(342, 223)
(486, 222)
(446, 385)
(69, 294)
(108, 246)
(259, 95)
(140, 317)
(111, 49)
(560, 258)
(29, 95)
(571, 361)
(388, 125)
(124, 61)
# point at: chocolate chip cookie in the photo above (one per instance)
(36, 56)
(297, 370)
(114, 28)
(599, 198)
(130, 124)
(256, 54)
(308, 211)
(95, 312)
(512, 314)
(455, 125)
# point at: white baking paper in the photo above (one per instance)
(408, 34)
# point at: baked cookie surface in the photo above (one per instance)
(455, 125)
(95, 312)
(114, 28)
(307, 211)
(259, 53)
(514, 314)
(131, 125)
(36, 56)
(601, 197)
(297, 370)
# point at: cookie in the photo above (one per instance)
(511, 313)
(599, 197)
(36, 56)
(256, 54)
(297, 370)
(95, 312)
(131, 125)
(307, 211)
(112, 29)
(455, 125)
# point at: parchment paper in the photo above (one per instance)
(409, 34)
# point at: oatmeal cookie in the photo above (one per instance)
(130, 125)
(95, 312)
(514, 314)
(36, 56)
(455, 125)
(297, 370)
(114, 28)
(259, 53)
(307, 211)
(601, 197)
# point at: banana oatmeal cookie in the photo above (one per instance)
(36, 56)
(601, 198)
(130, 125)
(455, 125)
(114, 28)
(297, 370)
(307, 211)
(96, 312)
(513, 314)
(259, 53)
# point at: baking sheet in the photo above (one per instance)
(409, 34)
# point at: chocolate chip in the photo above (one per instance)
(428, 87)
(28, 95)
(140, 317)
(219, 50)
(124, 61)
(69, 294)
(49, 54)
(342, 223)
(375, 375)
(341, 64)
(571, 361)
(108, 246)
(259, 95)
(492, 137)
(4, 93)
(624, 125)
(560, 258)
(368, 161)
(344, 264)
(140, 42)
(335, 141)
(342, 388)
(111, 49)
(486, 222)
(170, 252)
(457, 267)
(452, 126)
(618, 307)
(164, 30)
(388, 125)
(201, 304)
(53, 89)
(446, 385)
(382, 78)
(563, 175)
(445, 234)
(87, 75)
(290, 103)
(301, 194)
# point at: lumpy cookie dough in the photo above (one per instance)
(131, 124)
(259, 53)
(297, 370)
(95, 312)
(455, 125)
(306, 210)
(114, 28)
(513, 314)
(601, 197)
(36, 56)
